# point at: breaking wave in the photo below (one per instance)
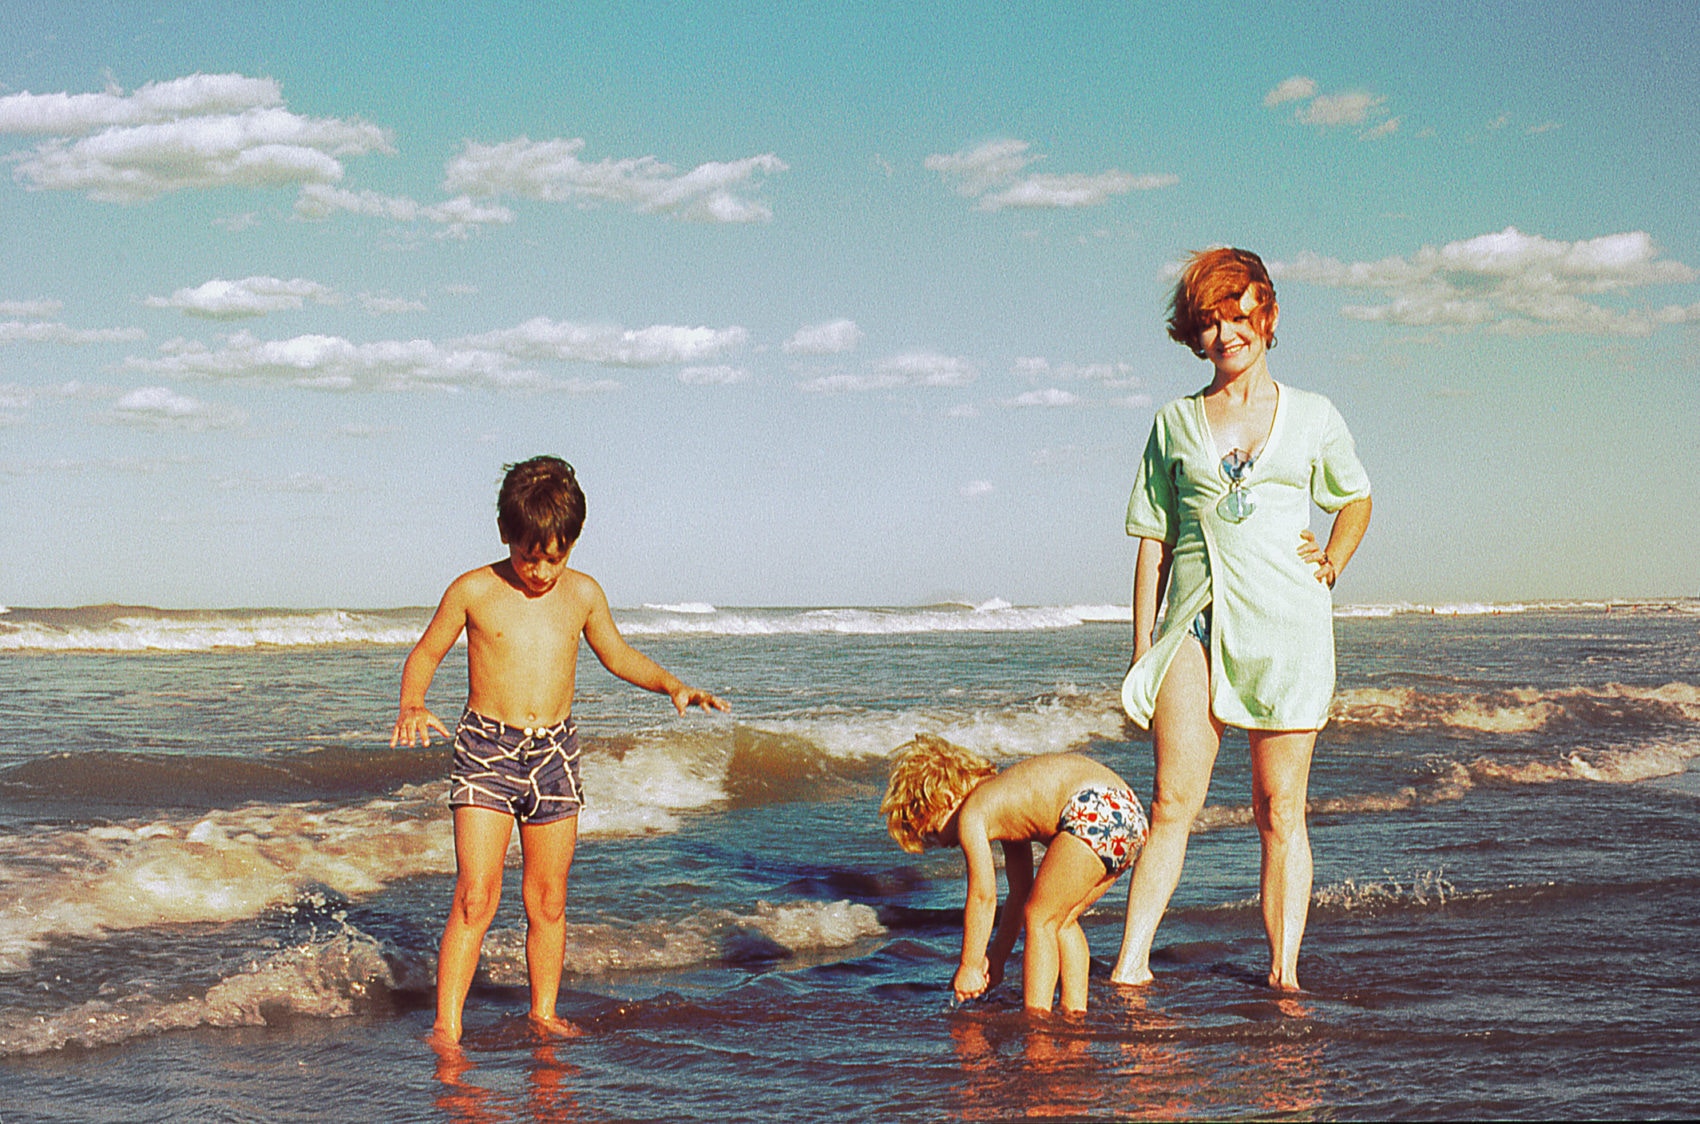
(338, 975)
(1517, 710)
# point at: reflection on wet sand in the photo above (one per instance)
(1123, 1061)
(550, 1094)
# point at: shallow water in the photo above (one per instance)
(222, 891)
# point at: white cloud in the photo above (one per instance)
(493, 360)
(45, 331)
(551, 171)
(334, 363)
(239, 222)
(35, 310)
(1509, 281)
(992, 173)
(609, 345)
(1543, 127)
(219, 299)
(379, 304)
(1296, 88)
(831, 338)
(914, 368)
(975, 489)
(198, 95)
(160, 407)
(1113, 375)
(1350, 108)
(202, 131)
(721, 375)
(458, 217)
(1049, 396)
(1386, 129)
(972, 171)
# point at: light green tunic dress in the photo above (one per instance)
(1272, 626)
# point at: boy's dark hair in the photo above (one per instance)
(540, 504)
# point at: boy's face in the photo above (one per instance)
(538, 568)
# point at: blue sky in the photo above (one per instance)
(829, 304)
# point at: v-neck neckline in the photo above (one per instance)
(1268, 438)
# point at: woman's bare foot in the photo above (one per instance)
(555, 1027)
(1131, 977)
(1290, 983)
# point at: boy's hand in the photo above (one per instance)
(686, 697)
(417, 722)
(971, 982)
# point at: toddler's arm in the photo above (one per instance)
(973, 974)
(625, 661)
(414, 720)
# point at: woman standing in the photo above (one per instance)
(1221, 506)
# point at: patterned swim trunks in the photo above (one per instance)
(1108, 820)
(529, 773)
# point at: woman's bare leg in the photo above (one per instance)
(1185, 736)
(1280, 777)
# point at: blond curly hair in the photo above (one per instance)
(930, 779)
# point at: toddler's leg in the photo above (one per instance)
(1185, 736)
(481, 840)
(1070, 879)
(548, 857)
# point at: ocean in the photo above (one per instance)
(221, 890)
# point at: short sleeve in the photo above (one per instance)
(1337, 477)
(1151, 508)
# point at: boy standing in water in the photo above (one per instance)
(516, 751)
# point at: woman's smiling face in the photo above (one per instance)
(1229, 339)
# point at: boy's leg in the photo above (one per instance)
(548, 858)
(1185, 737)
(1280, 777)
(481, 841)
(1070, 878)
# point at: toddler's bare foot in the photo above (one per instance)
(555, 1027)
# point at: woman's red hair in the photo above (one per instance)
(1211, 286)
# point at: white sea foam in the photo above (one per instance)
(684, 607)
(991, 616)
(1517, 710)
(331, 977)
(203, 632)
(232, 864)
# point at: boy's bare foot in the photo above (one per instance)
(555, 1027)
(443, 1038)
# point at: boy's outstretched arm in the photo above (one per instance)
(414, 720)
(625, 661)
(1018, 869)
(973, 974)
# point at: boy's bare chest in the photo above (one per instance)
(537, 626)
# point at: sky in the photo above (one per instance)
(828, 304)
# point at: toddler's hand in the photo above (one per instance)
(1326, 571)
(686, 697)
(971, 982)
(417, 722)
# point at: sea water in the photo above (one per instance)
(221, 890)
